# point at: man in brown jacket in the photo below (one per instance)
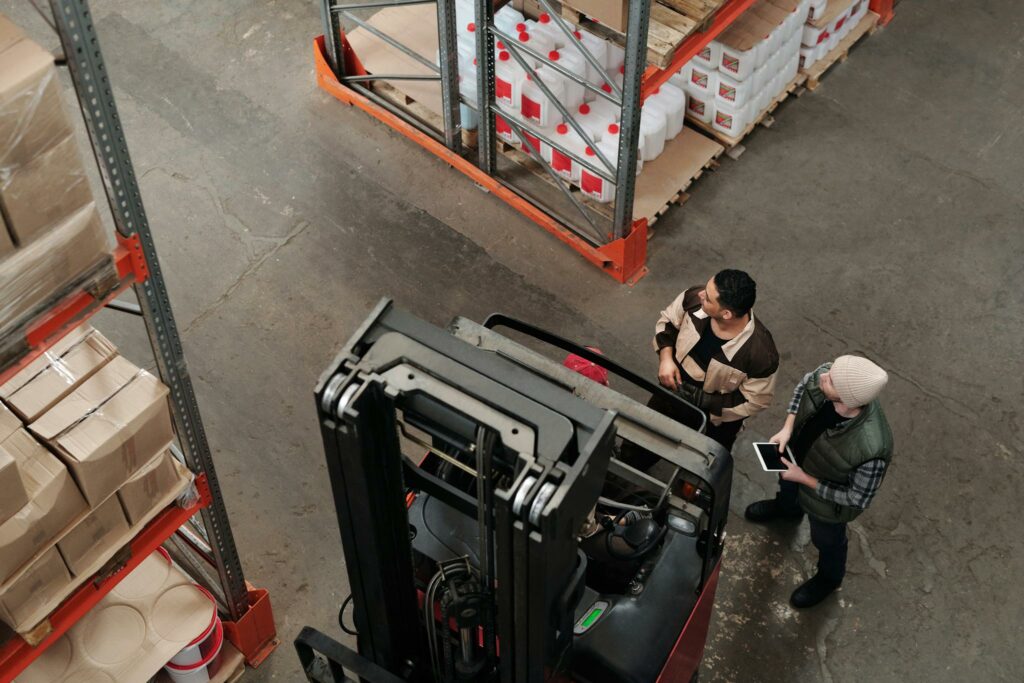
(716, 355)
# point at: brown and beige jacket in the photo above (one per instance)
(740, 379)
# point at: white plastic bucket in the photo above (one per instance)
(730, 120)
(710, 56)
(699, 106)
(535, 105)
(198, 672)
(508, 82)
(735, 92)
(673, 100)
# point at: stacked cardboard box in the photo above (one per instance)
(50, 233)
(84, 464)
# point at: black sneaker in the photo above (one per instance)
(769, 510)
(813, 591)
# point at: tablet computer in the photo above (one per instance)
(771, 459)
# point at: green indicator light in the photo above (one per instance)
(591, 618)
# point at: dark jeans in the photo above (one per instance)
(829, 538)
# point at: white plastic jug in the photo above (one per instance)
(730, 119)
(560, 163)
(759, 80)
(678, 79)
(546, 26)
(598, 49)
(735, 92)
(603, 107)
(503, 130)
(710, 55)
(594, 186)
(832, 42)
(702, 80)
(738, 64)
(508, 82)
(537, 42)
(808, 56)
(535, 105)
(610, 146)
(838, 25)
(653, 130)
(791, 69)
(673, 101)
(592, 122)
(531, 143)
(465, 12)
(816, 9)
(812, 36)
(506, 19)
(700, 106)
(573, 62)
(468, 111)
(616, 56)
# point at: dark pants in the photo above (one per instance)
(724, 433)
(828, 537)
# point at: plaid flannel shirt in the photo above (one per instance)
(864, 481)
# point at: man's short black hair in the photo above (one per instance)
(736, 291)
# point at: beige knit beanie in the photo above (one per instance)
(857, 380)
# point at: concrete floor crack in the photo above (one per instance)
(821, 646)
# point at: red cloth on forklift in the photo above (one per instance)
(586, 368)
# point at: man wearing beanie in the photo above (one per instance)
(842, 444)
(715, 354)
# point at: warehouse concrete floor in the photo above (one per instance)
(880, 215)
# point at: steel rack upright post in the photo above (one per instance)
(249, 620)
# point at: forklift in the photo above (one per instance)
(493, 526)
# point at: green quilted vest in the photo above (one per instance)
(837, 452)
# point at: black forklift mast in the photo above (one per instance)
(533, 444)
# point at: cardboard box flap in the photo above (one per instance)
(33, 369)
(834, 9)
(786, 5)
(9, 33)
(771, 14)
(37, 466)
(737, 39)
(67, 369)
(86, 399)
(9, 423)
(111, 421)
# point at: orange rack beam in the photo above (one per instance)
(16, 654)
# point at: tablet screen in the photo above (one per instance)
(771, 460)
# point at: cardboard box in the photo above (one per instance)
(55, 374)
(32, 117)
(53, 503)
(9, 423)
(150, 486)
(13, 496)
(24, 602)
(6, 241)
(42, 193)
(612, 13)
(103, 530)
(38, 273)
(109, 427)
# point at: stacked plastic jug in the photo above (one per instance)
(736, 77)
(827, 24)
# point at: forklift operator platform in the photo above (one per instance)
(492, 528)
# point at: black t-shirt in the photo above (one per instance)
(706, 347)
(824, 418)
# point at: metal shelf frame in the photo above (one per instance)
(618, 248)
(250, 619)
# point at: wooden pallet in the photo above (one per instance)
(865, 27)
(662, 183)
(672, 22)
(732, 143)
